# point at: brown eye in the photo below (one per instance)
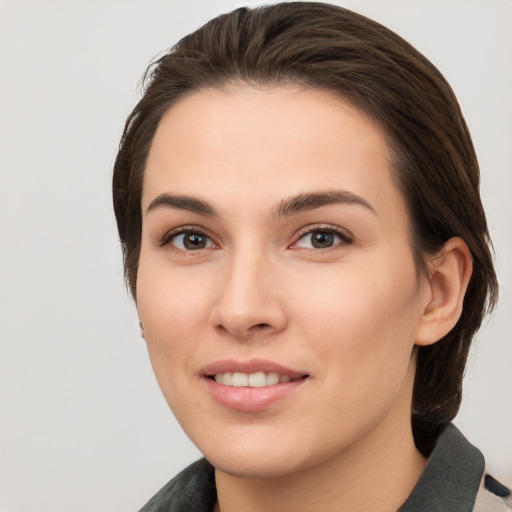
(191, 241)
(322, 239)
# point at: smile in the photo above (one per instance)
(252, 380)
(252, 385)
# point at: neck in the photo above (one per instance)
(377, 472)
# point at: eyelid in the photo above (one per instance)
(169, 235)
(346, 237)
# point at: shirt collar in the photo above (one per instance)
(451, 478)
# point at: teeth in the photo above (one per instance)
(252, 380)
(257, 380)
(272, 378)
(240, 379)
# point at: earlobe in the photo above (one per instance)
(449, 274)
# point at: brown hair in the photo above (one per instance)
(328, 47)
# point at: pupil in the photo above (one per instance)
(322, 239)
(194, 241)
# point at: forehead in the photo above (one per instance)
(269, 141)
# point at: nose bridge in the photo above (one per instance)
(248, 301)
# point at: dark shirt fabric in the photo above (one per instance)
(452, 481)
(192, 490)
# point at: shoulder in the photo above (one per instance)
(493, 496)
(192, 490)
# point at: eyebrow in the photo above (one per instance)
(300, 203)
(181, 202)
(312, 200)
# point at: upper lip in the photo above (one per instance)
(250, 366)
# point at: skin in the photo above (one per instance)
(349, 315)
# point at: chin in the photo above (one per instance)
(256, 455)
(260, 467)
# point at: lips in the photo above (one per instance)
(251, 386)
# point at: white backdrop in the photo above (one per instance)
(83, 424)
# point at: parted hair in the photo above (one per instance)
(433, 159)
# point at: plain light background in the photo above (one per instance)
(83, 424)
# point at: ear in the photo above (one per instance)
(449, 273)
(142, 334)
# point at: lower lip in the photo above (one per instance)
(246, 399)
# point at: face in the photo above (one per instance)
(277, 287)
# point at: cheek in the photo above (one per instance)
(172, 311)
(167, 295)
(360, 326)
(364, 315)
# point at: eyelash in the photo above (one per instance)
(345, 238)
(183, 230)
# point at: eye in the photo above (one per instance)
(189, 241)
(322, 238)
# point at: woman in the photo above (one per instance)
(297, 200)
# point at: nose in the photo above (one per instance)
(248, 303)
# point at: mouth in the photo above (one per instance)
(253, 380)
(251, 386)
